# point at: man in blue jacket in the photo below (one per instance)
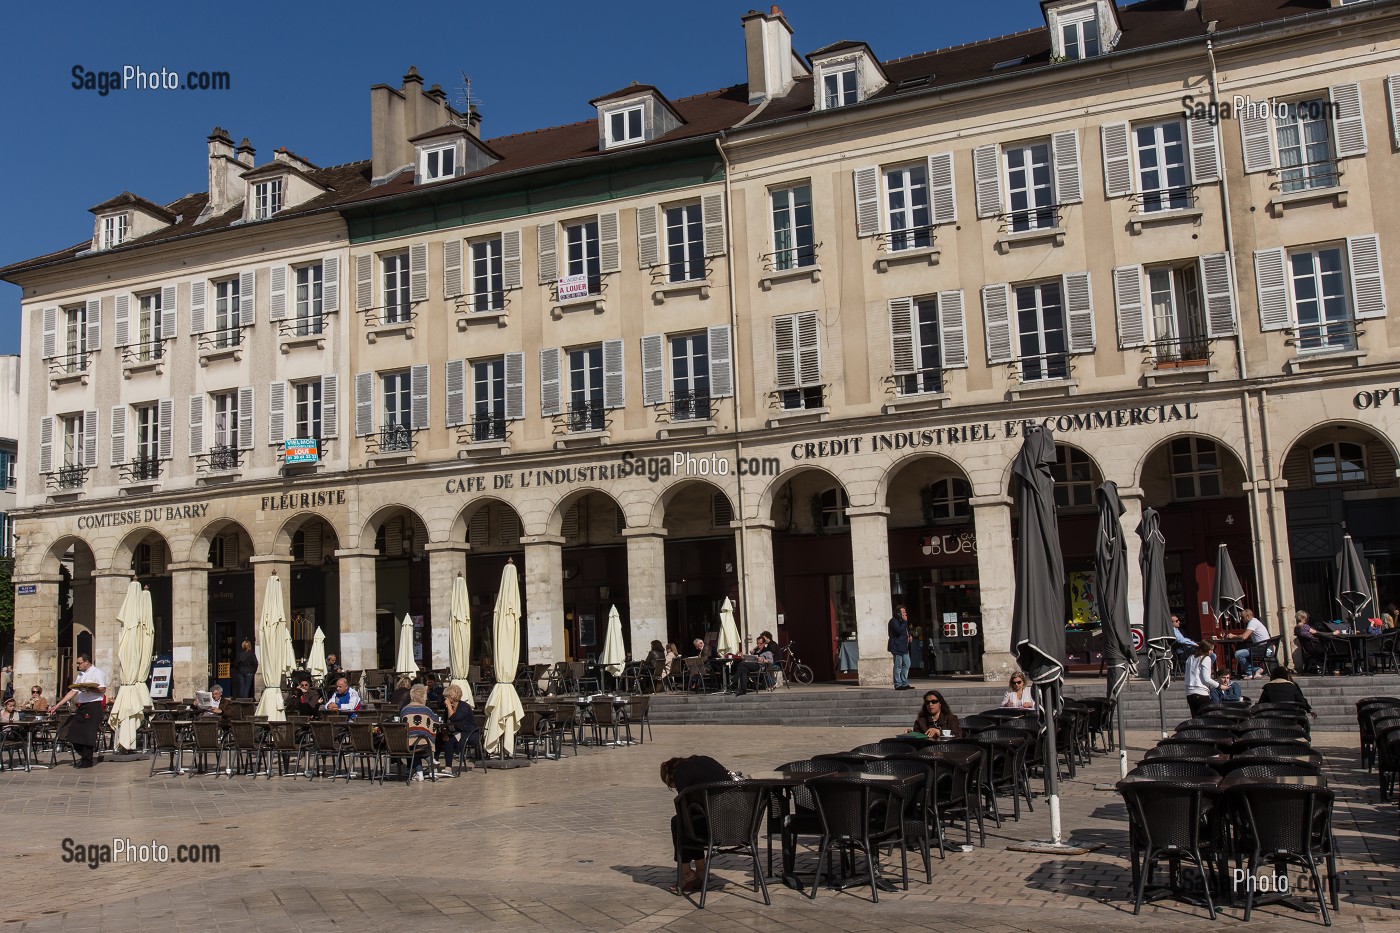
(900, 641)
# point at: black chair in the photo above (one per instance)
(859, 815)
(976, 723)
(1296, 751)
(165, 741)
(1101, 721)
(956, 791)
(1366, 713)
(722, 818)
(606, 719)
(1286, 824)
(920, 807)
(802, 821)
(1387, 764)
(1005, 768)
(1214, 736)
(1259, 767)
(208, 740)
(1182, 748)
(1171, 769)
(1227, 710)
(536, 731)
(363, 754)
(883, 747)
(1172, 820)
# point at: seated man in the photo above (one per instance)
(1254, 634)
(1225, 690)
(219, 704)
(422, 729)
(346, 698)
(1181, 644)
(761, 661)
(305, 700)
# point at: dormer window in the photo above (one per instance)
(439, 162)
(267, 198)
(114, 227)
(839, 87)
(626, 126)
(638, 113)
(1080, 31)
(843, 74)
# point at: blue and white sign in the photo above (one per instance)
(26, 589)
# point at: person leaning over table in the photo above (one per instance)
(83, 725)
(680, 774)
(245, 665)
(462, 732)
(346, 698)
(1282, 689)
(1199, 682)
(935, 718)
(1018, 694)
(36, 702)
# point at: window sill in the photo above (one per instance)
(924, 401)
(929, 254)
(1044, 388)
(1184, 373)
(217, 477)
(138, 488)
(768, 279)
(595, 303)
(310, 340)
(584, 439)
(799, 416)
(693, 428)
(156, 366)
(303, 469)
(466, 318)
(1056, 235)
(220, 353)
(1281, 202)
(700, 287)
(1338, 359)
(67, 495)
(391, 458)
(397, 329)
(78, 378)
(1138, 222)
(492, 448)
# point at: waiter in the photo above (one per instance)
(82, 727)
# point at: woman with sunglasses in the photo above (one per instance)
(36, 702)
(1018, 694)
(936, 718)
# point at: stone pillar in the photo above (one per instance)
(446, 561)
(36, 636)
(189, 633)
(359, 645)
(1275, 570)
(996, 580)
(1132, 551)
(544, 598)
(646, 588)
(758, 597)
(870, 560)
(108, 592)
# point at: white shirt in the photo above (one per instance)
(93, 675)
(1257, 632)
(1198, 676)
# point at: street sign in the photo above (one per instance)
(26, 589)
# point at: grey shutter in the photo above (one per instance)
(451, 268)
(247, 294)
(648, 242)
(785, 351)
(1117, 160)
(1069, 186)
(330, 285)
(510, 259)
(94, 324)
(1079, 309)
(1131, 306)
(121, 320)
(50, 332)
(1367, 279)
(118, 435)
(551, 401)
(456, 393)
(197, 294)
(721, 361)
(809, 358)
(1204, 141)
(418, 395)
(1217, 274)
(996, 319)
(90, 438)
(613, 385)
(515, 386)
(545, 260)
(1257, 138)
(276, 412)
(712, 214)
(330, 406)
(46, 444)
(867, 182)
(277, 294)
(168, 316)
(477, 528)
(1392, 99)
(952, 328)
(609, 249)
(1348, 120)
(653, 369)
(165, 435)
(196, 425)
(418, 272)
(364, 404)
(1271, 280)
(942, 193)
(245, 418)
(364, 283)
(986, 176)
(902, 335)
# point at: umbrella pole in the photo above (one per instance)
(1118, 716)
(1162, 711)
(1052, 762)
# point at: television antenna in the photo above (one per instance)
(465, 101)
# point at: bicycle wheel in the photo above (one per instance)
(802, 674)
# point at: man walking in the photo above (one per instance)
(899, 644)
(83, 725)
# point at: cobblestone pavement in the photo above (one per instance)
(580, 844)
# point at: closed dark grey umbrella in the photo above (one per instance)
(1353, 585)
(1156, 611)
(1227, 597)
(1038, 613)
(1111, 583)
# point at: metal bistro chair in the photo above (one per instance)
(325, 745)
(956, 787)
(698, 676)
(859, 815)
(395, 748)
(281, 743)
(723, 818)
(246, 753)
(1172, 820)
(536, 732)
(606, 719)
(802, 821)
(208, 741)
(639, 712)
(364, 756)
(165, 742)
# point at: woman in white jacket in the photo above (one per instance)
(1199, 679)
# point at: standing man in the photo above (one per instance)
(82, 727)
(899, 644)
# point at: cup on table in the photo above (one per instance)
(947, 733)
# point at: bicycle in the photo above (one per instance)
(794, 671)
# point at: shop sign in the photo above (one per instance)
(963, 542)
(1375, 398)
(573, 286)
(316, 499)
(301, 450)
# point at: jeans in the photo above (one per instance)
(1242, 656)
(243, 685)
(901, 669)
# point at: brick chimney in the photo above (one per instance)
(773, 68)
(398, 115)
(226, 168)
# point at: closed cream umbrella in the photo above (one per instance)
(134, 663)
(316, 663)
(403, 657)
(728, 631)
(459, 638)
(614, 658)
(274, 652)
(503, 709)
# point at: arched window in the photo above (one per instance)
(1074, 478)
(947, 500)
(1339, 463)
(1195, 468)
(833, 508)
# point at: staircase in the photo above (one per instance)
(1333, 698)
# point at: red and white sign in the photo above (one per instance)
(573, 286)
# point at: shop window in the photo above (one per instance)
(217, 553)
(1195, 469)
(1338, 463)
(832, 506)
(1074, 478)
(947, 500)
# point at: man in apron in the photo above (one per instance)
(83, 726)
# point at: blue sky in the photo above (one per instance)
(300, 75)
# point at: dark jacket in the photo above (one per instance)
(245, 662)
(698, 769)
(1283, 691)
(933, 727)
(463, 721)
(899, 636)
(307, 705)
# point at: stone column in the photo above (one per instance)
(189, 633)
(758, 597)
(646, 588)
(359, 645)
(544, 598)
(991, 516)
(108, 592)
(36, 636)
(870, 561)
(446, 561)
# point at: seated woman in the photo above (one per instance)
(422, 729)
(679, 774)
(400, 697)
(673, 653)
(1282, 689)
(462, 732)
(936, 718)
(36, 703)
(1018, 694)
(1309, 640)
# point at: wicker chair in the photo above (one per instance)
(803, 820)
(282, 744)
(364, 755)
(1253, 767)
(1198, 751)
(395, 747)
(1171, 820)
(166, 741)
(1289, 825)
(1006, 756)
(1367, 711)
(208, 740)
(859, 815)
(920, 808)
(955, 792)
(723, 818)
(245, 754)
(1169, 769)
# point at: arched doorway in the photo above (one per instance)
(227, 547)
(150, 565)
(72, 560)
(315, 586)
(401, 582)
(813, 570)
(700, 560)
(493, 530)
(594, 561)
